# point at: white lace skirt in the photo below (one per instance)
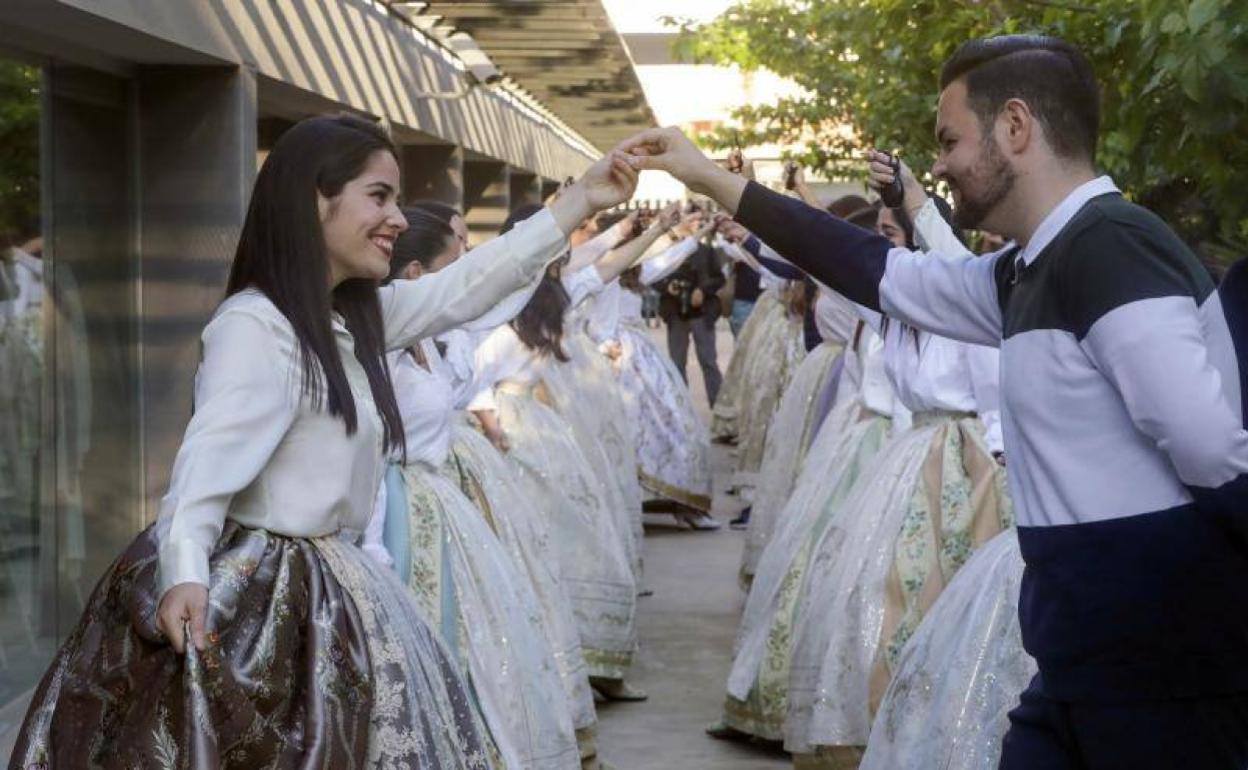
(672, 447)
(775, 355)
(960, 674)
(585, 392)
(490, 481)
(468, 584)
(931, 496)
(786, 448)
(727, 407)
(759, 681)
(594, 567)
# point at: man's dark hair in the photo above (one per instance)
(1052, 76)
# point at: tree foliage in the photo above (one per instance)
(1174, 76)
(19, 152)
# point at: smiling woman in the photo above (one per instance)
(250, 580)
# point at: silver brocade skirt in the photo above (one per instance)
(316, 658)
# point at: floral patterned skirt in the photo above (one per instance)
(960, 673)
(585, 393)
(759, 681)
(788, 438)
(777, 352)
(930, 497)
(673, 455)
(594, 567)
(468, 584)
(727, 407)
(316, 658)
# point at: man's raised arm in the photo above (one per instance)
(954, 297)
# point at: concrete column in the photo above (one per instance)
(433, 172)
(487, 195)
(197, 154)
(526, 189)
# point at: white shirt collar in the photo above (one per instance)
(1061, 215)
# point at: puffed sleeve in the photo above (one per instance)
(581, 285)
(374, 534)
(500, 355)
(247, 395)
(472, 285)
(663, 264)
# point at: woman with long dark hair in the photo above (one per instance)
(246, 628)
(594, 565)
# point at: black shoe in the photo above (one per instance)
(743, 519)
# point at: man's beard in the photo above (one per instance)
(986, 185)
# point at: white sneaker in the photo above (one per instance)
(705, 522)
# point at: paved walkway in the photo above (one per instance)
(687, 629)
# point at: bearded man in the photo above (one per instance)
(1121, 407)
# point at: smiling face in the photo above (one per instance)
(461, 236)
(360, 224)
(970, 161)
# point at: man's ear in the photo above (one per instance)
(1017, 126)
(413, 270)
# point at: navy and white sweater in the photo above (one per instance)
(1123, 424)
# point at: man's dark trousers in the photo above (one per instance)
(703, 330)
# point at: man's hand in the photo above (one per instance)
(880, 175)
(667, 149)
(185, 602)
(696, 298)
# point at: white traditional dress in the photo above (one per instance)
(469, 585)
(594, 565)
(316, 655)
(758, 685)
(931, 496)
(796, 421)
(671, 439)
(585, 391)
(960, 674)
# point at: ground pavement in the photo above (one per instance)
(687, 629)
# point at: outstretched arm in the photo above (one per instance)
(949, 295)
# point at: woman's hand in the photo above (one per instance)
(609, 182)
(880, 175)
(185, 602)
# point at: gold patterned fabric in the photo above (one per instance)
(311, 663)
(930, 498)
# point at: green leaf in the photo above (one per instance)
(1173, 24)
(1201, 12)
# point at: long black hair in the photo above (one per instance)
(426, 238)
(281, 252)
(540, 324)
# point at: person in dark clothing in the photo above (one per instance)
(745, 290)
(689, 307)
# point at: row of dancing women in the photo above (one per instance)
(881, 629)
(402, 528)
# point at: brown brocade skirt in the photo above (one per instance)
(317, 658)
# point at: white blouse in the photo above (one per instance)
(502, 357)
(930, 372)
(617, 304)
(258, 450)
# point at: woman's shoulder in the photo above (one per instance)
(250, 314)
